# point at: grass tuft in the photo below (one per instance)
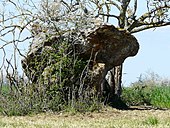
(151, 121)
(149, 91)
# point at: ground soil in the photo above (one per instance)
(135, 117)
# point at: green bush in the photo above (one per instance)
(57, 86)
(160, 97)
(137, 95)
(148, 91)
(36, 102)
(156, 96)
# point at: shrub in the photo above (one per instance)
(57, 86)
(150, 90)
(156, 96)
(137, 95)
(160, 97)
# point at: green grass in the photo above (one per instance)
(30, 101)
(5, 89)
(160, 97)
(150, 89)
(156, 96)
(106, 118)
(151, 121)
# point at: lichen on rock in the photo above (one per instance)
(104, 44)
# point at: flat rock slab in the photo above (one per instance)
(111, 46)
(105, 44)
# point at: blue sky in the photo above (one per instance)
(153, 56)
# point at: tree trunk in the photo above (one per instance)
(118, 79)
(115, 80)
(115, 83)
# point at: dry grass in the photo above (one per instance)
(109, 118)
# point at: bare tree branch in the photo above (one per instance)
(135, 7)
(109, 15)
(151, 19)
(3, 61)
(155, 25)
(122, 16)
(149, 14)
(114, 4)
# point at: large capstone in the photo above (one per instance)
(105, 44)
(110, 45)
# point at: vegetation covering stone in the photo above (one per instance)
(58, 60)
(75, 57)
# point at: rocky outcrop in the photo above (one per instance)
(104, 44)
(110, 46)
(35, 61)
